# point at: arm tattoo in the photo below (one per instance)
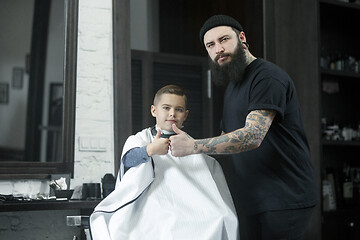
(244, 139)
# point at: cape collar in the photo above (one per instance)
(163, 135)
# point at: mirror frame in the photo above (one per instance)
(43, 170)
(122, 77)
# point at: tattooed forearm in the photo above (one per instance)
(244, 139)
(210, 143)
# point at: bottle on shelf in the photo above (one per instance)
(357, 138)
(332, 62)
(356, 186)
(350, 62)
(329, 191)
(339, 63)
(324, 59)
(347, 186)
(347, 133)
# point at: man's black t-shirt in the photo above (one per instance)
(279, 174)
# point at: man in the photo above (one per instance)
(272, 176)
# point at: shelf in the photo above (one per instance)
(340, 143)
(339, 103)
(48, 205)
(340, 73)
(342, 4)
(343, 212)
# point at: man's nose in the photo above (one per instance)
(219, 48)
(172, 112)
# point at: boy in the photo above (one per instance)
(161, 196)
(169, 107)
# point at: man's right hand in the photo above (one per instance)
(181, 144)
(159, 146)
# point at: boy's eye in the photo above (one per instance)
(166, 108)
(180, 110)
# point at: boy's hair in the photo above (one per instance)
(170, 89)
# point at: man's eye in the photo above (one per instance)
(209, 45)
(166, 108)
(180, 110)
(224, 39)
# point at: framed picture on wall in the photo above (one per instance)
(17, 77)
(4, 93)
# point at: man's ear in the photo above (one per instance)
(153, 110)
(242, 37)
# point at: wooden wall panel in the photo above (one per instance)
(291, 41)
(181, 20)
(122, 76)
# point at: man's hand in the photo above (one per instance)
(160, 146)
(181, 144)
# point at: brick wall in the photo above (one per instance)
(94, 94)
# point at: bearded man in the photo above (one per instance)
(271, 174)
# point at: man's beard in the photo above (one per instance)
(232, 71)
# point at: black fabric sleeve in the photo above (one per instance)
(268, 94)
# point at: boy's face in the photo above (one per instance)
(169, 109)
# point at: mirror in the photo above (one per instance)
(37, 87)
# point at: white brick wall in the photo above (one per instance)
(94, 95)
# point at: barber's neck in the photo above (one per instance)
(250, 58)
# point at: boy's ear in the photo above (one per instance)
(186, 114)
(153, 110)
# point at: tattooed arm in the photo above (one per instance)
(244, 139)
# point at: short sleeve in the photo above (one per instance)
(268, 94)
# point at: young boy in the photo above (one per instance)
(169, 107)
(161, 196)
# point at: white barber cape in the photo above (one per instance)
(167, 198)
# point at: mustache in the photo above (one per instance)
(231, 71)
(221, 55)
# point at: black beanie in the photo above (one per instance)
(218, 20)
